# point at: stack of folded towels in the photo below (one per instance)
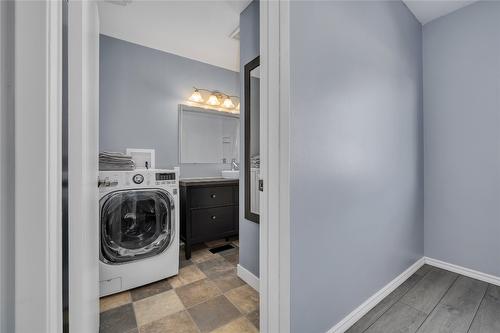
(255, 161)
(109, 161)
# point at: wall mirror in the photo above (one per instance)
(252, 142)
(208, 136)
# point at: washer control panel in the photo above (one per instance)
(138, 178)
(113, 180)
(165, 178)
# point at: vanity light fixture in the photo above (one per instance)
(196, 97)
(213, 100)
(228, 103)
(216, 100)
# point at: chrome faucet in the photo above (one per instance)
(234, 165)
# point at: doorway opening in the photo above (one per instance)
(137, 85)
(176, 252)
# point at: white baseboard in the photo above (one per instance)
(463, 271)
(363, 309)
(369, 304)
(248, 277)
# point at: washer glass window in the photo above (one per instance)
(135, 224)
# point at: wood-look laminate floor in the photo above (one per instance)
(206, 296)
(435, 301)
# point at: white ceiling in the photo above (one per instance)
(201, 30)
(198, 30)
(428, 10)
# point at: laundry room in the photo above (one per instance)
(179, 166)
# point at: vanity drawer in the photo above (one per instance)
(212, 221)
(211, 196)
(209, 210)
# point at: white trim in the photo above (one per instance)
(463, 271)
(284, 165)
(54, 164)
(370, 303)
(83, 149)
(263, 200)
(248, 277)
(274, 248)
(235, 34)
(38, 73)
(207, 110)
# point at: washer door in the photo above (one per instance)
(136, 224)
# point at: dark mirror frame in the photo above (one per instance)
(248, 68)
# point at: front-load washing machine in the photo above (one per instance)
(139, 228)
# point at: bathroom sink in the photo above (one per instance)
(231, 174)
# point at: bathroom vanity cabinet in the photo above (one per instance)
(209, 210)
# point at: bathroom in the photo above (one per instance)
(172, 94)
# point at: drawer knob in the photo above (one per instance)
(213, 217)
(213, 196)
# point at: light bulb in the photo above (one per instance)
(196, 97)
(238, 106)
(228, 103)
(213, 100)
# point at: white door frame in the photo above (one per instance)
(83, 146)
(38, 167)
(275, 167)
(38, 73)
(38, 153)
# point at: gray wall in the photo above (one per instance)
(356, 154)
(249, 49)
(140, 90)
(462, 136)
(7, 245)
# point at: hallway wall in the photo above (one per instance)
(356, 154)
(461, 137)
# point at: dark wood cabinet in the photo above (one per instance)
(209, 210)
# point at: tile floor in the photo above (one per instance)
(435, 300)
(206, 296)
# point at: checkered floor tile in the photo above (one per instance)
(206, 296)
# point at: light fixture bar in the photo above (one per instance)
(215, 98)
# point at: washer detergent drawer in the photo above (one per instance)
(212, 222)
(211, 196)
